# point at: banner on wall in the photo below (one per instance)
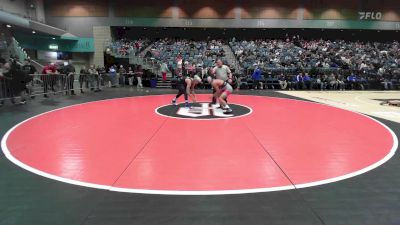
(49, 43)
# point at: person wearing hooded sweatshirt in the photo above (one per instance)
(257, 78)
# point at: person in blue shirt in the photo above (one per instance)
(299, 81)
(353, 80)
(256, 77)
(294, 82)
(307, 81)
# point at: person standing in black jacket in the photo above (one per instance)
(16, 81)
(29, 69)
(83, 77)
(69, 71)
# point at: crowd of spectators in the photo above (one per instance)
(306, 81)
(364, 62)
(306, 54)
(287, 64)
(124, 47)
(187, 55)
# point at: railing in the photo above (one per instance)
(292, 71)
(150, 64)
(32, 85)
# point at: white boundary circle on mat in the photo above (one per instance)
(9, 156)
(221, 118)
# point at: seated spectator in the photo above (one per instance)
(322, 81)
(296, 53)
(282, 81)
(354, 81)
(386, 81)
(291, 82)
(300, 81)
(125, 47)
(332, 81)
(307, 81)
(341, 82)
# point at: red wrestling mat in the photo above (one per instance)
(126, 145)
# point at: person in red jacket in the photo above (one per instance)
(48, 77)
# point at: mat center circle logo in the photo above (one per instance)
(203, 110)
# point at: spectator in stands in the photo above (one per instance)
(322, 81)
(325, 55)
(179, 64)
(307, 81)
(395, 79)
(289, 55)
(291, 81)
(137, 46)
(341, 82)
(282, 81)
(300, 81)
(204, 72)
(386, 81)
(354, 81)
(124, 47)
(332, 81)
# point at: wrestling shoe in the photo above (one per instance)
(173, 102)
(228, 111)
